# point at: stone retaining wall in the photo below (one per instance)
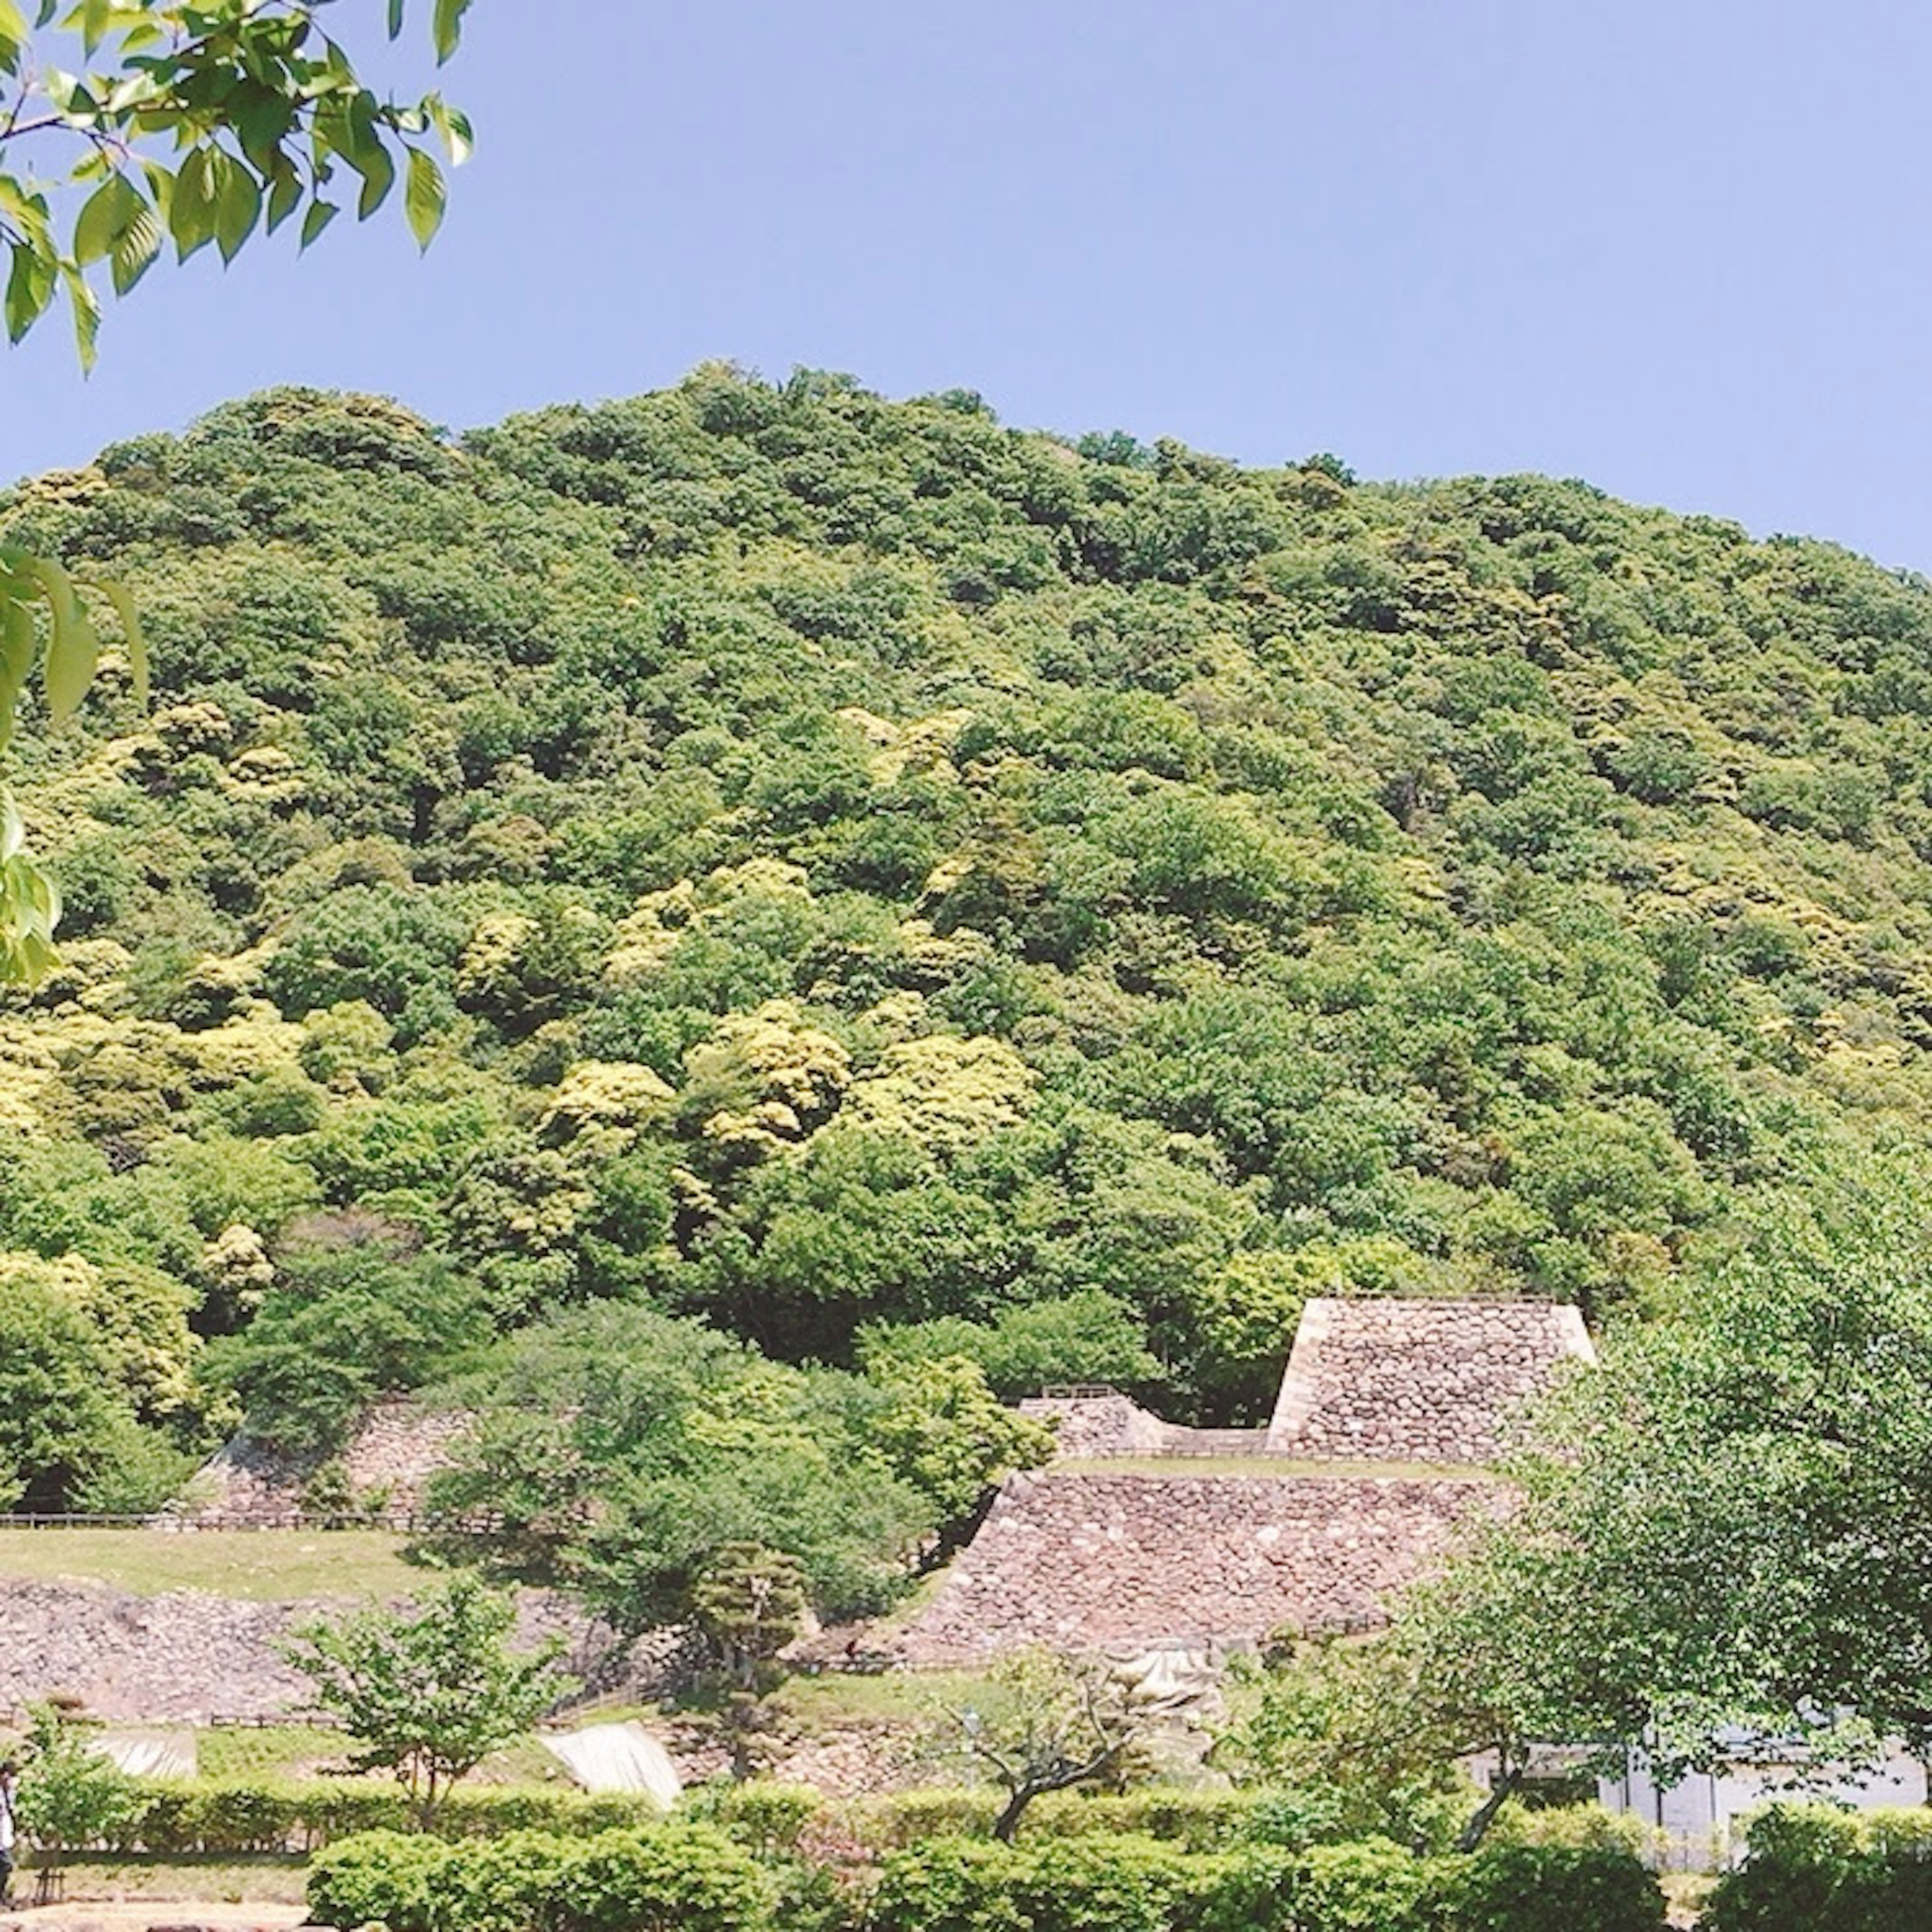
(1416, 1380)
(187, 1656)
(395, 1450)
(1096, 1562)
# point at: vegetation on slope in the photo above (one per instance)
(888, 888)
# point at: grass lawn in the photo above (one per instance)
(910, 1697)
(261, 1881)
(1260, 1468)
(263, 1565)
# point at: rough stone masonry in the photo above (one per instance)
(1091, 1560)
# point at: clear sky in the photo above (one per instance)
(1682, 248)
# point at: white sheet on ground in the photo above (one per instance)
(148, 1753)
(616, 1757)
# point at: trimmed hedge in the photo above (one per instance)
(199, 1818)
(1139, 1884)
(668, 1878)
(1809, 1868)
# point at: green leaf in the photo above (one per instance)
(18, 639)
(238, 209)
(395, 18)
(453, 124)
(135, 252)
(73, 649)
(284, 193)
(424, 198)
(446, 26)
(378, 176)
(104, 218)
(122, 598)
(13, 34)
(30, 287)
(320, 215)
(192, 207)
(86, 306)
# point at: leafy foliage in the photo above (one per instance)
(1785, 1588)
(429, 1691)
(257, 110)
(829, 881)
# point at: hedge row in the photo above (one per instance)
(1808, 1868)
(668, 1878)
(1142, 1884)
(173, 1818)
(691, 1877)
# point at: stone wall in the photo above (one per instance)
(396, 1449)
(1418, 1382)
(1096, 1562)
(189, 1656)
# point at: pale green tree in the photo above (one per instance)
(429, 1691)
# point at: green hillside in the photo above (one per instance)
(888, 886)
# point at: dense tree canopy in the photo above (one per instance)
(894, 888)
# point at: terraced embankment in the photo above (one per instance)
(1092, 1562)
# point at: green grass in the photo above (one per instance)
(277, 1753)
(839, 1697)
(293, 1753)
(262, 1565)
(261, 1881)
(1264, 1468)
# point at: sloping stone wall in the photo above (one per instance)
(1094, 1562)
(396, 1449)
(1417, 1381)
(1102, 1425)
(187, 1656)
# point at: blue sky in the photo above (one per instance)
(1682, 249)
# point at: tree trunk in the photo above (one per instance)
(1008, 1823)
(1477, 1829)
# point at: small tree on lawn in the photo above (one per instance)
(429, 1691)
(1043, 1722)
(71, 1796)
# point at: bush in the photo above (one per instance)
(949, 1885)
(508, 1884)
(1548, 1889)
(1197, 1821)
(387, 1877)
(1100, 1884)
(675, 1878)
(768, 1816)
(240, 1820)
(672, 1878)
(1809, 1868)
(1372, 1886)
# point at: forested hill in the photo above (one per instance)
(813, 863)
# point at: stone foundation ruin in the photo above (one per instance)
(1412, 1400)
(1418, 1382)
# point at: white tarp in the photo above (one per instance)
(148, 1753)
(616, 1757)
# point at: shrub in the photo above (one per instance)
(1371, 1886)
(1100, 1884)
(507, 1884)
(1547, 1889)
(233, 1820)
(949, 1885)
(1198, 1821)
(385, 1877)
(672, 1878)
(768, 1816)
(1809, 1868)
